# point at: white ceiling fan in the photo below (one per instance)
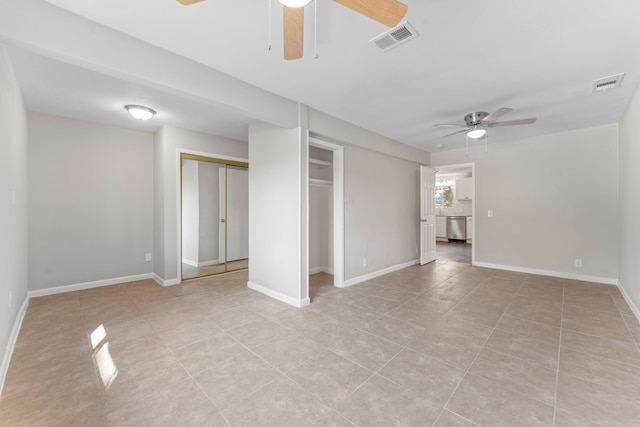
(388, 12)
(477, 124)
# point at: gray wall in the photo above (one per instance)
(275, 211)
(630, 202)
(554, 198)
(320, 211)
(91, 202)
(381, 211)
(168, 142)
(209, 211)
(13, 209)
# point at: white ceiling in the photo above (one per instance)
(538, 57)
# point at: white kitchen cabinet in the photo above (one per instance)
(464, 189)
(469, 229)
(441, 227)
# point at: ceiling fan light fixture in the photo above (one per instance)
(476, 133)
(295, 3)
(139, 112)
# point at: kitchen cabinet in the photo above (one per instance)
(441, 227)
(469, 229)
(464, 189)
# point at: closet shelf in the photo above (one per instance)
(316, 181)
(319, 162)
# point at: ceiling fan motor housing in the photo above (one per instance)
(474, 119)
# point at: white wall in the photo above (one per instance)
(275, 212)
(168, 142)
(629, 248)
(91, 202)
(13, 209)
(554, 198)
(381, 211)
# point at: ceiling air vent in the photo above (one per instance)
(395, 36)
(607, 83)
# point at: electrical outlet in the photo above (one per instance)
(147, 257)
(578, 262)
(490, 213)
(365, 262)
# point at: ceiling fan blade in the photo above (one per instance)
(450, 134)
(387, 12)
(513, 122)
(449, 125)
(497, 114)
(293, 32)
(188, 2)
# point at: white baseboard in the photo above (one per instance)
(88, 285)
(562, 275)
(316, 270)
(632, 305)
(280, 297)
(200, 264)
(378, 273)
(13, 337)
(190, 262)
(160, 281)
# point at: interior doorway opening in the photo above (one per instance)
(455, 199)
(214, 203)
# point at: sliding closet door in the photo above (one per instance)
(237, 218)
(214, 204)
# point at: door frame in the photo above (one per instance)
(472, 165)
(338, 207)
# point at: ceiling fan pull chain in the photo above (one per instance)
(486, 137)
(315, 29)
(467, 149)
(269, 47)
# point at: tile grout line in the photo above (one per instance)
(466, 372)
(555, 397)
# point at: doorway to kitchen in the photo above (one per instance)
(455, 208)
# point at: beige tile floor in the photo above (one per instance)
(445, 344)
(454, 251)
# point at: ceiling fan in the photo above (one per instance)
(388, 12)
(477, 124)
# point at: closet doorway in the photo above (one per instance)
(325, 215)
(214, 203)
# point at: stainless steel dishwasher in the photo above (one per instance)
(457, 228)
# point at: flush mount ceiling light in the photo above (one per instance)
(295, 3)
(476, 133)
(139, 112)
